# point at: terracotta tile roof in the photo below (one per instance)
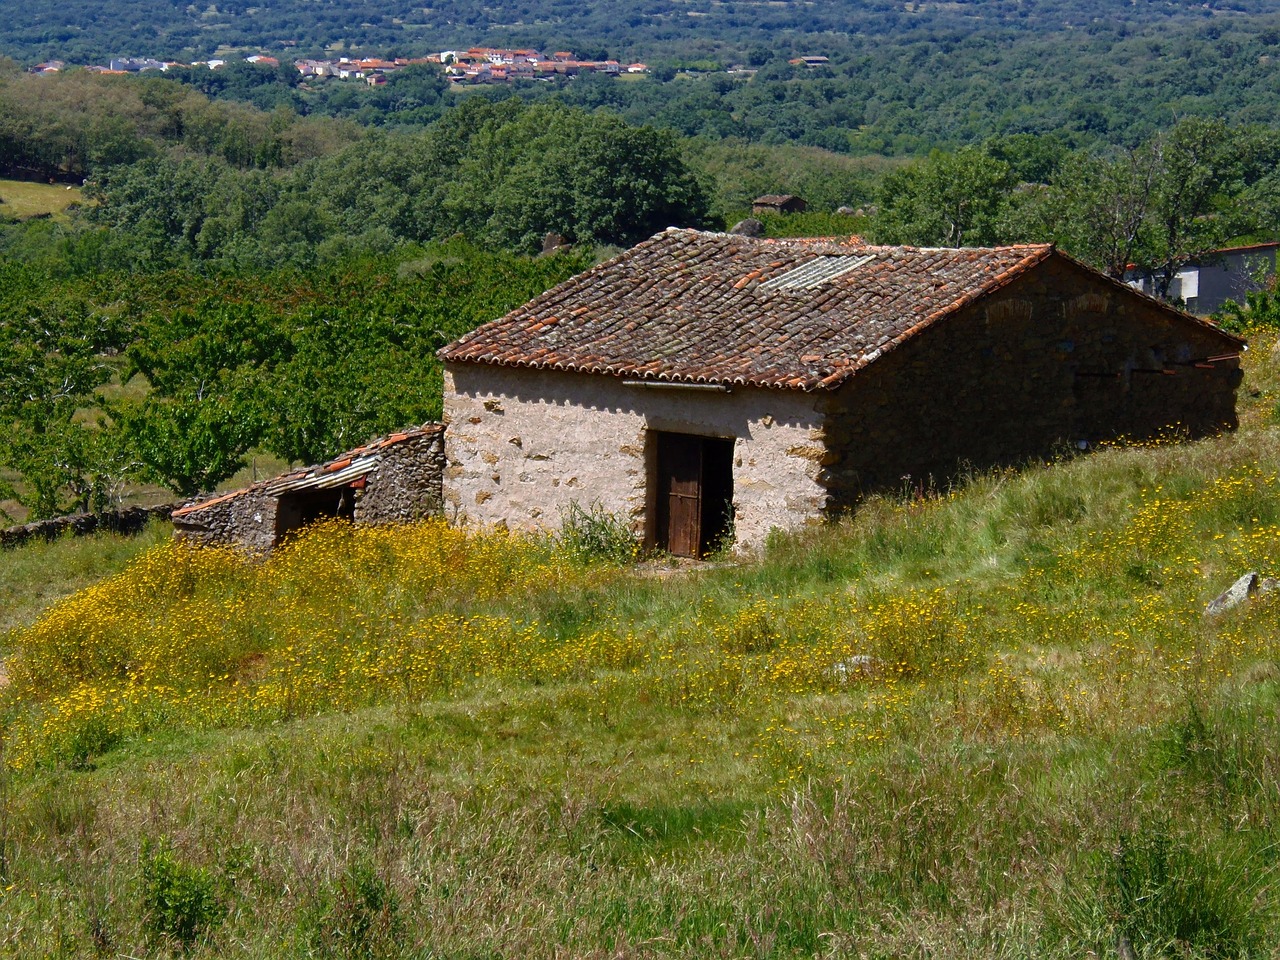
(716, 308)
(341, 469)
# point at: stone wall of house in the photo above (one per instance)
(247, 521)
(522, 445)
(1059, 357)
(407, 484)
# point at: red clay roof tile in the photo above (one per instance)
(708, 307)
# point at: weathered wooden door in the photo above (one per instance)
(680, 492)
(694, 475)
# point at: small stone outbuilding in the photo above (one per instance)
(779, 203)
(708, 385)
(389, 480)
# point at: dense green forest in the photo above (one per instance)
(904, 96)
(902, 78)
(83, 30)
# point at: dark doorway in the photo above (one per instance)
(300, 507)
(693, 496)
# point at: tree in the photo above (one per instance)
(189, 444)
(412, 94)
(594, 179)
(1158, 206)
(1194, 165)
(1098, 209)
(53, 437)
(1031, 158)
(952, 199)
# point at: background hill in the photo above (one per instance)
(903, 78)
(173, 29)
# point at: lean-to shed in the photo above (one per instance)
(392, 479)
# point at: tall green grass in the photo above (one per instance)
(991, 723)
(41, 572)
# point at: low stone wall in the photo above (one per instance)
(127, 521)
(407, 485)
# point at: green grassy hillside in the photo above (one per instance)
(991, 723)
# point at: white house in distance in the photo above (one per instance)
(1207, 282)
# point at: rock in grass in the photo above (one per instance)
(855, 668)
(1234, 595)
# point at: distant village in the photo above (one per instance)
(475, 65)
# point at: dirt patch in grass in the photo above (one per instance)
(660, 568)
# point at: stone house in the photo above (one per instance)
(392, 479)
(779, 203)
(707, 384)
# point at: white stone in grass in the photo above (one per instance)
(855, 667)
(1234, 595)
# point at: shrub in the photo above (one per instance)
(1163, 895)
(180, 902)
(1261, 311)
(593, 534)
(363, 919)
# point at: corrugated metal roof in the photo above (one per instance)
(815, 273)
(358, 468)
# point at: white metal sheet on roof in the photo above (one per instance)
(816, 272)
(337, 478)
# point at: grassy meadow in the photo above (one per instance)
(21, 199)
(990, 723)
